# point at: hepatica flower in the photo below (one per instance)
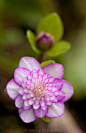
(38, 91)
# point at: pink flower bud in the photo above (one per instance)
(45, 41)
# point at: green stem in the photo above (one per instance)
(41, 57)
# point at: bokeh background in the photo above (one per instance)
(16, 16)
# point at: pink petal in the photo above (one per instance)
(20, 110)
(60, 96)
(41, 72)
(48, 102)
(45, 107)
(30, 63)
(21, 91)
(12, 89)
(26, 103)
(31, 101)
(36, 106)
(55, 110)
(19, 101)
(59, 83)
(42, 102)
(20, 74)
(68, 90)
(26, 107)
(24, 97)
(27, 116)
(55, 70)
(40, 113)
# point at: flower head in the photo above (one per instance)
(38, 91)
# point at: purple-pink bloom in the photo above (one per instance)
(44, 41)
(38, 91)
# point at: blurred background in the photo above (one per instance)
(16, 16)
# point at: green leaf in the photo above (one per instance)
(46, 63)
(46, 119)
(59, 48)
(32, 39)
(5, 91)
(51, 24)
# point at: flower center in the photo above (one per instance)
(39, 89)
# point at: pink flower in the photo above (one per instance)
(38, 91)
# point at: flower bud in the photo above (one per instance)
(44, 41)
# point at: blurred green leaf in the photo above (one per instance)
(32, 39)
(28, 12)
(46, 119)
(59, 48)
(51, 24)
(8, 64)
(74, 62)
(46, 63)
(12, 36)
(2, 2)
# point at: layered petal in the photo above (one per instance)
(55, 70)
(59, 83)
(55, 110)
(27, 107)
(20, 74)
(29, 63)
(40, 113)
(68, 90)
(27, 116)
(12, 89)
(19, 101)
(60, 96)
